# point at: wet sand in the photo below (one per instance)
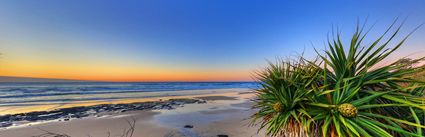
(147, 96)
(226, 113)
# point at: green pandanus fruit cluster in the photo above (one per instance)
(277, 107)
(347, 110)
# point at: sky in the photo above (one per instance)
(183, 40)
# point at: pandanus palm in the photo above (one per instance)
(286, 90)
(346, 93)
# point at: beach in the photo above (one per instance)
(194, 113)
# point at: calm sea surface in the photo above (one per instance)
(16, 94)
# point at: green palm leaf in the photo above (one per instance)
(341, 95)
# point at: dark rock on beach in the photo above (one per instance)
(79, 112)
(188, 126)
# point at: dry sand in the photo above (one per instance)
(225, 113)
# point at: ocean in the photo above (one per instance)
(24, 94)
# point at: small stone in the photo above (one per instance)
(188, 126)
(6, 124)
(91, 111)
(66, 119)
(157, 107)
(202, 102)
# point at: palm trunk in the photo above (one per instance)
(333, 134)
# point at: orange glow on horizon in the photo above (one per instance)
(183, 78)
(112, 73)
(121, 73)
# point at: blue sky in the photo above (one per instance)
(222, 39)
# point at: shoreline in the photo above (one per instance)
(148, 96)
(210, 115)
(40, 113)
(66, 114)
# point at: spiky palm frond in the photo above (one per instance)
(376, 90)
(351, 94)
(286, 88)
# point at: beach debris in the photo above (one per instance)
(51, 134)
(188, 126)
(222, 135)
(66, 114)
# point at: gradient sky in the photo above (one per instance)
(180, 40)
